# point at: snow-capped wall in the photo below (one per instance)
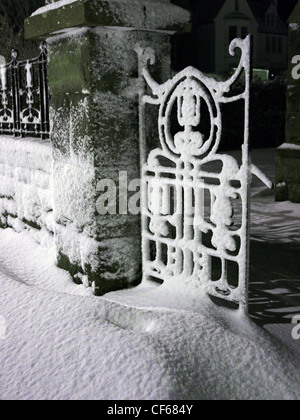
(25, 187)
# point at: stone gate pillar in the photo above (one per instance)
(288, 155)
(94, 126)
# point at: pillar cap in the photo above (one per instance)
(137, 14)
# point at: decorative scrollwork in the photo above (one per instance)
(24, 105)
(180, 239)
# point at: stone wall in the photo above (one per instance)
(26, 201)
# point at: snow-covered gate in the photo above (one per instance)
(189, 191)
(26, 160)
(24, 96)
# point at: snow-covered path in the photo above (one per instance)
(275, 257)
(152, 342)
(61, 346)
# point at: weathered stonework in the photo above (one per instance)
(94, 126)
(288, 155)
(137, 14)
(25, 187)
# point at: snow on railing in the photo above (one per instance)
(24, 96)
(190, 193)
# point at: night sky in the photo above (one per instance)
(285, 7)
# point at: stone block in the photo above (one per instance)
(143, 15)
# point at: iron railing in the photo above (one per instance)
(24, 96)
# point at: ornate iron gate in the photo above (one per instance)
(24, 96)
(189, 191)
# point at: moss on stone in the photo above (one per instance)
(64, 263)
(102, 13)
(69, 66)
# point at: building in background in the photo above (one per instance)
(271, 40)
(217, 22)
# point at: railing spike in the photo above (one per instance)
(14, 54)
(43, 47)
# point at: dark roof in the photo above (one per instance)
(205, 11)
(259, 9)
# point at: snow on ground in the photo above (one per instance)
(152, 342)
(275, 262)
